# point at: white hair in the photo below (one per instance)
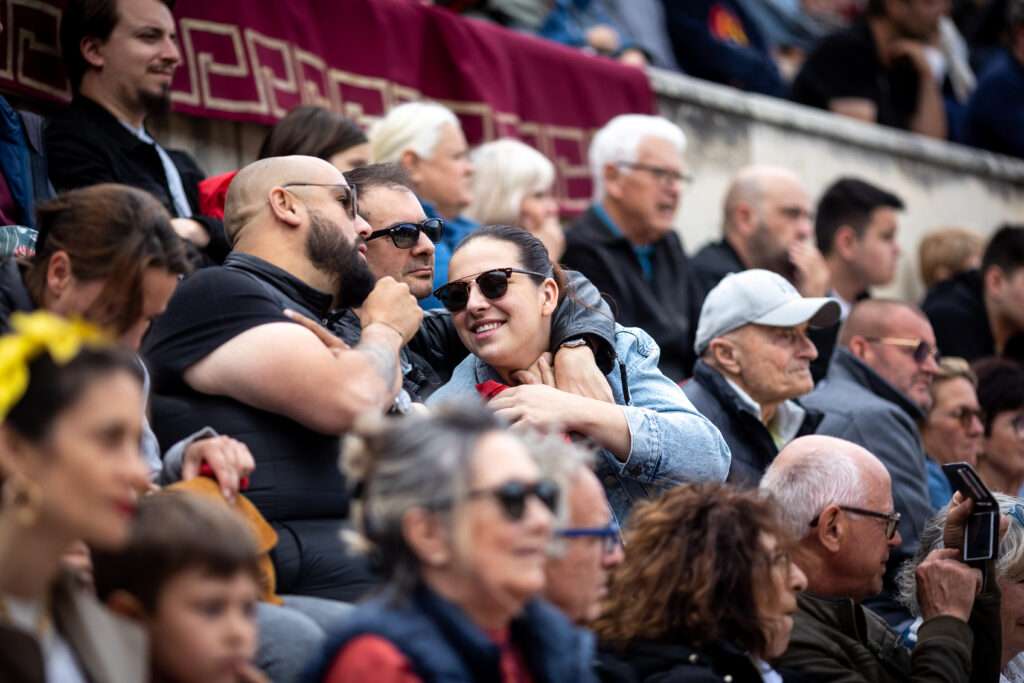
(505, 172)
(806, 486)
(620, 138)
(414, 126)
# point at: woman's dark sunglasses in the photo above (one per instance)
(492, 283)
(512, 496)
(406, 235)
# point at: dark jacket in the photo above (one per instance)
(667, 307)
(713, 262)
(752, 446)
(860, 406)
(444, 646)
(87, 145)
(653, 662)
(847, 643)
(22, 162)
(956, 310)
(13, 295)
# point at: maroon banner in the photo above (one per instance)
(253, 61)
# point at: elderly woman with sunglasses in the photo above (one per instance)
(502, 291)
(953, 428)
(460, 519)
(1001, 396)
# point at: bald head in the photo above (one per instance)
(248, 193)
(753, 185)
(879, 318)
(815, 471)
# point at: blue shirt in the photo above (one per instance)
(670, 441)
(939, 489)
(995, 113)
(455, 229)
(644, 252)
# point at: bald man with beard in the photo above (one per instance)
(225, 354)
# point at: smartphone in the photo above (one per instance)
(981, 533)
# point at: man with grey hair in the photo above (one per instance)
(836, 498)
(754, 363)
(767, 222)
(427, 140)
(876, 392)
(625, 243)
(588, 545)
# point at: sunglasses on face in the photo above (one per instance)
(492, 283)
(919, 349)
(406, 235)
(966, 416)
(511, 496)
(609, 535)
(345, 195)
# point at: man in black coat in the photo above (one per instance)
(625, 243)
(754, 363)
(120, 56)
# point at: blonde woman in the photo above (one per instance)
(514, 185)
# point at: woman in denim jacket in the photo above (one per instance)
(502, 291)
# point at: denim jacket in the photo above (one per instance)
(670, 442)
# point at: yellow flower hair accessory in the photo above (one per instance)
(32, 334)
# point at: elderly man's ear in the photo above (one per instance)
(724, 355)
(831, 529)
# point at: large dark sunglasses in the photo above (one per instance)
(492, 283)
(346, 195)
(406, 235)
(512, 496)
(609, 535)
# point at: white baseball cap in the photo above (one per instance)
(759, 297)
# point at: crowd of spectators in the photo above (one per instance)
(565, 454)
(948, 69)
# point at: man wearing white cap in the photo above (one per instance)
(754, 361)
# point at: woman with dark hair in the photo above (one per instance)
(70, 469)
(1001, 396)
(318, 132)
(460, 521)
(706, 593)
(502, 291)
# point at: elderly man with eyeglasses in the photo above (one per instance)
(836, 498)
(876, 393)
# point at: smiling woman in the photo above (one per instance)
(502, 292)
(70, 469)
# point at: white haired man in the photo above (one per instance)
(427, 140)
(625, 243)
(836, 499)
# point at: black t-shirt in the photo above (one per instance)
(296, 475)
(846, 64)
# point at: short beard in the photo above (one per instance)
(767, 253)
(330, 253)
(156, 104)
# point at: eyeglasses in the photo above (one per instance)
(346, 195)
(609, 535)
(967, 415)
(1018, 426)
(512, 496)
(892, 519)
(492, 283)
(920, 350)
(406, 235)
(661, 174)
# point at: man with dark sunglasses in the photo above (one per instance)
(876, 394)
(836, 499)
(401, 245)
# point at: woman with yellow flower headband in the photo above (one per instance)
(69, 469)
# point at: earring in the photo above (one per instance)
(23, 499)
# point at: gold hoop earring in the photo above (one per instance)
(23, 499)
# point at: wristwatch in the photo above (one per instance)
(574, 343)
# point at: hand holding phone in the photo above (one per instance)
(980, 539)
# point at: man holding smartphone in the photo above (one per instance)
(837, 499)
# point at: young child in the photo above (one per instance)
(190, 576)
